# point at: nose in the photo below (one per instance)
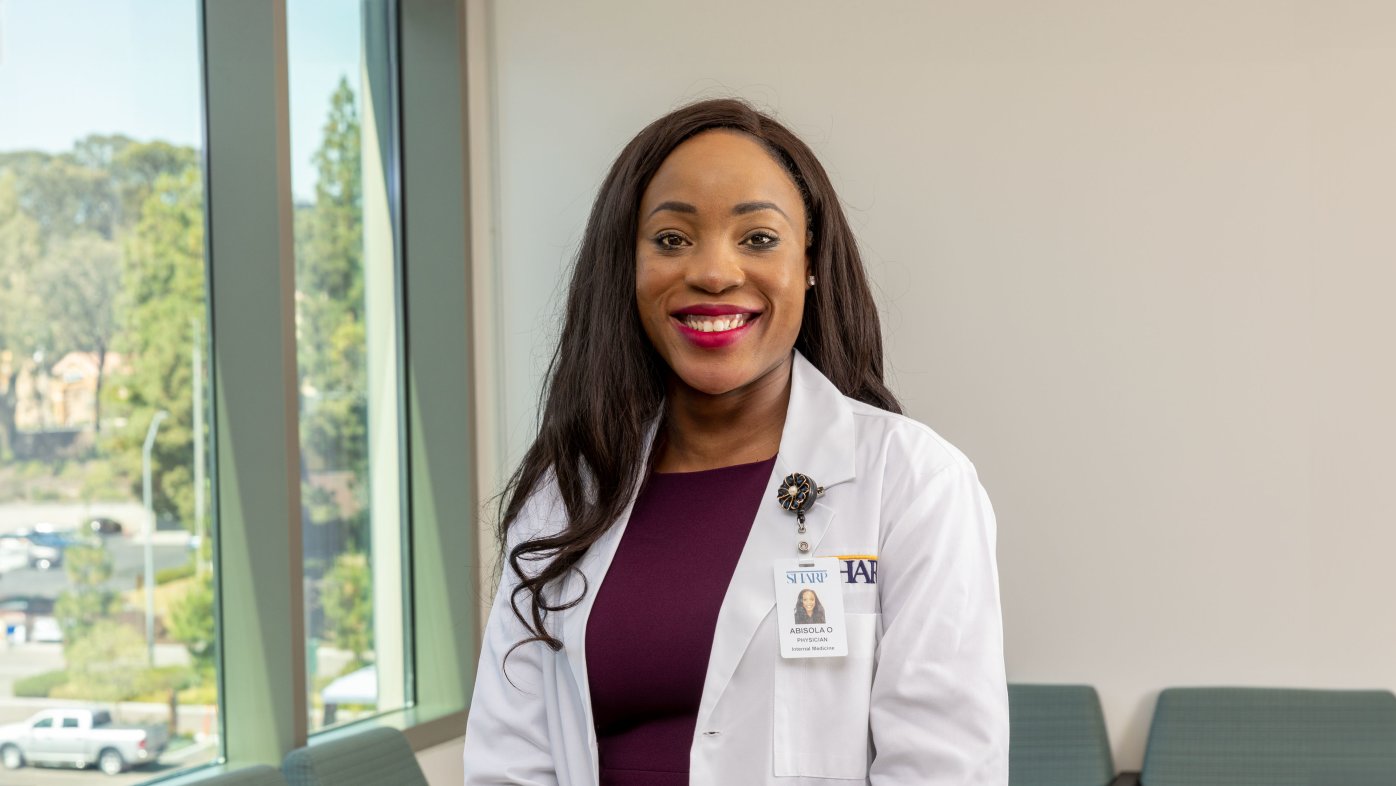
(715, 271)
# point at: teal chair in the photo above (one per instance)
(1271, 737)
(375, 757)
(259, 775)
(1057, 737)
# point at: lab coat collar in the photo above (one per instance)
(818, 436)
(817, 440)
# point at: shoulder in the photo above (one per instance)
(901, 445)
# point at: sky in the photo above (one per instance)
(70, 68)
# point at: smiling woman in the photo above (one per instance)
(720, 336)
(721, 274)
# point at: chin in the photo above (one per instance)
(719, 377)
(715, 379)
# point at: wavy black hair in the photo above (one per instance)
(606, 383)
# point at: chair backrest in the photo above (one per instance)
(1271, 737)
(1057, 737)
(376, 757)
(258, 775)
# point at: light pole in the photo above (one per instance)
(149, 535)
(198, 447)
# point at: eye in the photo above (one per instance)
(670, 241)
(761, 239)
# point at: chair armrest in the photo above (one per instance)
(1126, 779)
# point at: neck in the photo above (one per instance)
(703, 431)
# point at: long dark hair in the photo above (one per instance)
(605, 383)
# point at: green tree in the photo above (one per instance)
(163, 283)
(68, 196)
(346, 594)
(330, 342)
(21, 332)
(63, 221)
(85, 603)
(79, 282)
(136, 167)
(191, 622)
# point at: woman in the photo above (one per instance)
(719, 338)
(808, 609)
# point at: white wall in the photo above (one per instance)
(1136, 259)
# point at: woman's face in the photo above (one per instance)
(720, 262)
(807, 600)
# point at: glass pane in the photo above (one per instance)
(106, 581)
(342, 145)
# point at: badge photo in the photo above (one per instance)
(809, 608)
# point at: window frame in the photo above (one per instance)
(263, 702)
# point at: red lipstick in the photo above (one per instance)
(713, 338)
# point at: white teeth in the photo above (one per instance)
(715, 324)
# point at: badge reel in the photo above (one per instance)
(809, 592)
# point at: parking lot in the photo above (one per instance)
(36, 588)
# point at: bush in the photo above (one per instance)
(203, 693)
(346, 595)
(40, 685)
(166, 575)
(154, 684)
(107, 663)
(190, 621)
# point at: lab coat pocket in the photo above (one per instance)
(821, 708)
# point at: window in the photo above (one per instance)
(165, 314)
(106, 576)
(343, 156)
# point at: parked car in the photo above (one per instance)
(65, 538)
(104, 526)
(41, 549)
(80, 737)
(14, 553)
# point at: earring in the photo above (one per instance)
(811, 280)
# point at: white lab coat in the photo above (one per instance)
(921, 698)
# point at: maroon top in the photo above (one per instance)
(651, 626)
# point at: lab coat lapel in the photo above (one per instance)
(817, 440)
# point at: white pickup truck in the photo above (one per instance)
(79, 737)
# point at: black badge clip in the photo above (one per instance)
(797, 494)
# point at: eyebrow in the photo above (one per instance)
(677, 207)
(740, 209)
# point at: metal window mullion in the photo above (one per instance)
(439, 380)
(389, 510)
(261, 627)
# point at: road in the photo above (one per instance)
(54, 776)
(128, 562)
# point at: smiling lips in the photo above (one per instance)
(713, 326)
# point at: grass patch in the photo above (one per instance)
(167, 575)
(40, 685)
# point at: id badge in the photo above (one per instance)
(809, 608)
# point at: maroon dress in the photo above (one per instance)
(651, 627)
